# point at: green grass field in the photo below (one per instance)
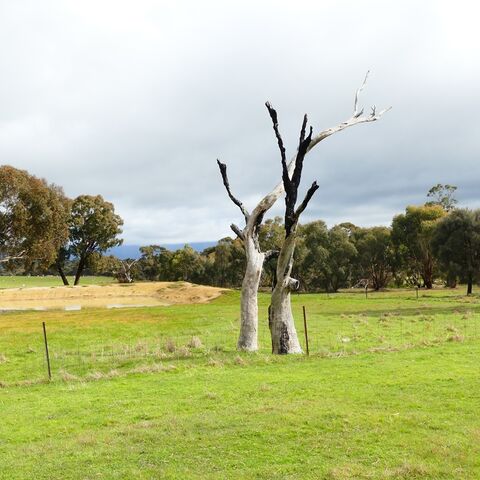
(390, 390)
(21, 281)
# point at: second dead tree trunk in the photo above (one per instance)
(281, 323)
(255, 258)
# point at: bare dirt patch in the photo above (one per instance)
(111, 296)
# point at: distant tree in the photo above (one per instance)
(93, 227)
(374, 255)
(442, 195)
(187, 265)
(312, 255)
(329, 256)
(64, 254)
(270, 238)
(349, 227)
(456, 242)
(412, 233)
(155, 263)
(228, 262)
(124, 270)
(32, 219)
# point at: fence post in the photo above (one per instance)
(305, 329)
(416, 291)
(366, 290)
(46, 351)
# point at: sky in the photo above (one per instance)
(135, 100)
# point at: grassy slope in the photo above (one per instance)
(404, 406)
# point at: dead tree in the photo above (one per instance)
(255, 258)
(280, 318)
(124, 271)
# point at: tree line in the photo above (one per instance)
(427, 244)
(43, 231)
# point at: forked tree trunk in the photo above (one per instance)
(254, 257)
(282, 327)
(281, 323)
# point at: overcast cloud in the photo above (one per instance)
(136, 99)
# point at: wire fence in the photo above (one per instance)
(368, 326)
(328, 335)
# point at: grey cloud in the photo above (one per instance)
(137, 101)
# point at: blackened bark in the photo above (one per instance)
(282, 326)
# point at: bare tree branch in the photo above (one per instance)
(356, 118)
(301, 152)
(273, 116)
(238, 203)
(268, 200)
(356, 113)
(237, 231)
(131, 264)
(313, 188)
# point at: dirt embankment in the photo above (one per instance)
(111, 295)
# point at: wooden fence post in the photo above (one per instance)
(305, 329)
(46, 351)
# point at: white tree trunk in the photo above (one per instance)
(282, 326)
(248, 338)
(249, 235)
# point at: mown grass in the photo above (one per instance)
(390, 391)
(20, 281)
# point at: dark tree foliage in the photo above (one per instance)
(327, 256)
(375, 255)
(456, 243)
(155, 263)
(187, 265)
(228, 263)
(271, 236)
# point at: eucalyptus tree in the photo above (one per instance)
(33, 218)
(412, 234)
(329, 258)
(94, 227)
(375, 255)
(155, 263)
(249, 234)
(443, 195)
